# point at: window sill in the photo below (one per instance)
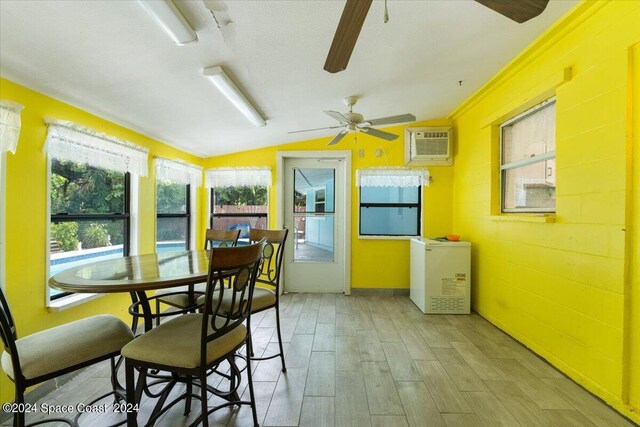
(70, 301)
(387, 237)
(544, 218)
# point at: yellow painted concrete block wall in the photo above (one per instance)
(634, 240)
(26, 219)
(366, 270)
(558, 287)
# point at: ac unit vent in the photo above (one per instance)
(427, 146)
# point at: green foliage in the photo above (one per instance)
(94, 236)
(78, 188)
(172, 198)
(66, 234)
(239, 196)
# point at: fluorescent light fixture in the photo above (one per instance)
(225, 85)
(171, 20)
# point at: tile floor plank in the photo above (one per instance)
(352, 407)
(418, 405)
(400, 362)
(443, 390)
(286, 402)
(381, 391)
(322, 374)
(318, 412)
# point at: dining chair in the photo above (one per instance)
(267, 293)
(193, 345)
(44, 355)
(178, 297)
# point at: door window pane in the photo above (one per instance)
(314, 207)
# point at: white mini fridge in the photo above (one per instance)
(440, 276)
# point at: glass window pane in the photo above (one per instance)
(172, 198)
(531, 187)
(171, 234)
(78, 188)
(534, 134)
(75, 243)
(391, 221)
(314, 190)
(313, 238)
(389, 194)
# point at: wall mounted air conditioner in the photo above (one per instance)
(428, 146)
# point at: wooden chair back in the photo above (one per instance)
(228, 305)
(272, 256)
(221, 238)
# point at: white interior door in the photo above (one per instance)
(314, 212)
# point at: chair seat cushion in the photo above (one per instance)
(180, 299)
(177, 343)
(68, 345)
(262, 298)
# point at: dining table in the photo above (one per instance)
(136, 275)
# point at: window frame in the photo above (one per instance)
(66, 217)
(504, 167)
(186, 215)
(418, 205)
(213, 215)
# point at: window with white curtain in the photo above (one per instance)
(92, 211)
(10, 123)
(391, 201)
(528, 160)
(176, 184)
(239, 199)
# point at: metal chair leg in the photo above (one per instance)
(249, 378)
(132, 419)
(284, 367)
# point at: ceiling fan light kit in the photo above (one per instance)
(225, 85)
(171, 20)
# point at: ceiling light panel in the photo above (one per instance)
(171, 20)
(226, 86)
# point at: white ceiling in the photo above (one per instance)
(110, 58)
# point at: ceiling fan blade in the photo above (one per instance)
(519, 11)
(402, 118)
(338, 137)
(379, 134)
(353, 16)
(338, 116)
(309, 130)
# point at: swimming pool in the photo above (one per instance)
(65, 260)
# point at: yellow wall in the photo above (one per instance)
(560, 287)
(366, 270)
(26, 219)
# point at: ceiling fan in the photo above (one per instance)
(355, 12)
(355, 122)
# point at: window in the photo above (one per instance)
(528, 160)
(391, 201)
(92, 177)
(176, 182)
(173, 217)
(239, 208)
(239, 199)
(89, 215)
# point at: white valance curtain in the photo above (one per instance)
(9, 125)
(70, 141)
(238, 177)
(178, 172)
(392, 177)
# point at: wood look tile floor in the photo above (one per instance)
(378, 361)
